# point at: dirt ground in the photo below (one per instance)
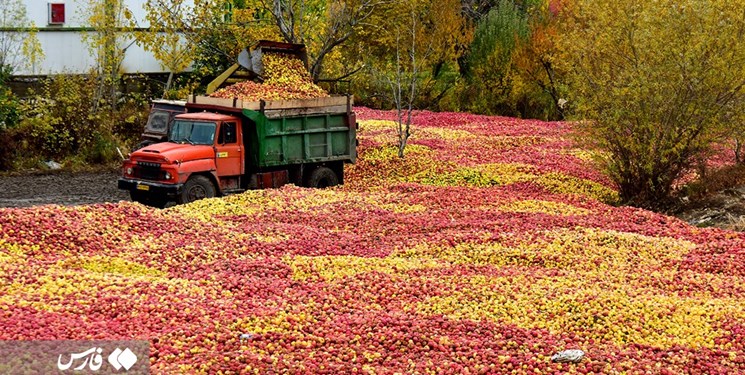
(725, 209)
(62, 188)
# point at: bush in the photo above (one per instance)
(64, 123)
(9, 116)
(8, 102)
(657, 82)
(490, 77)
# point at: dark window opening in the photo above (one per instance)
(227, 133)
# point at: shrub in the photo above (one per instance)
(63, 122)
(657, 81)
(9, 116)
(8, 102)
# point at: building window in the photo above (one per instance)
(56, 13)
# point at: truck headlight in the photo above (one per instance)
(129, 171)
(168, 175)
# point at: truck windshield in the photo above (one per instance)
(158, 121)
(194, 132)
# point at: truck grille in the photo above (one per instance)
(148, 171)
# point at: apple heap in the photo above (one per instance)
(285, 77)
(483, 251)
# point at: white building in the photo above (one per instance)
(61, 28)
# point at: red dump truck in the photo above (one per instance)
(222, 146)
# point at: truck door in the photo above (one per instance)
(229, 151)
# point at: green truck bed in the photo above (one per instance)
(292, 131)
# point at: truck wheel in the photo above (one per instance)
(195, 188)
(322, 177)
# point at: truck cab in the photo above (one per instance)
(202, 158)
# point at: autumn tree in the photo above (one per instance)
(19, 47)
(444, 37)
(656, 82)
(163, 33)
(403, 79)
(442, 32)
(321, 25)
(107, 44)
(474, 10)
(206, 35)
(407, 54)
(489, 71)
(538, 88)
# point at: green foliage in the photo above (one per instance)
(106, 45)
(9, 113)
(658, 80)
(490, 71)
(59, 123)
(9, 116)
(497, 36)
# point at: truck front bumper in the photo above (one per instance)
(150, 188)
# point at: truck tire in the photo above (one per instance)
(196, 188)
(322, 177)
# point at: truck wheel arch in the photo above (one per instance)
(198, 186)
(322, 177)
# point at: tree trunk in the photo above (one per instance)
(169, 82)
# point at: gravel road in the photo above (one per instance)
(62, 188)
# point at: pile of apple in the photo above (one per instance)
(285, 78)
(485, 251)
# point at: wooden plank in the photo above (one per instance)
(254, 106)
(292, 112)
(306, 103)
(279, 108)
(207, 100)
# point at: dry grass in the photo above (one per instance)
(735, 222)
(721, 179)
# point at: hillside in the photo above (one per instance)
(488, 249)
